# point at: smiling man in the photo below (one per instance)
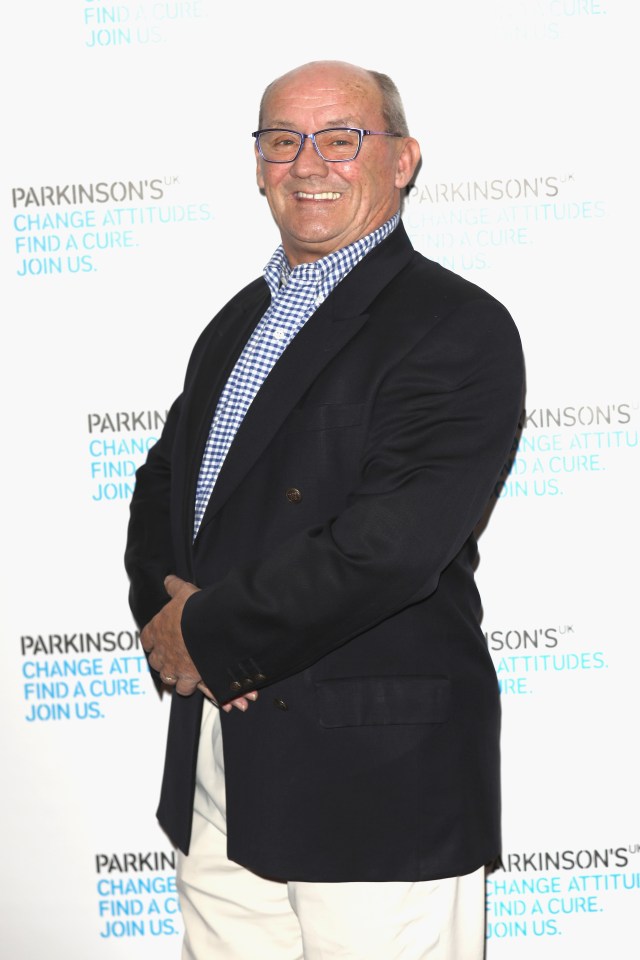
(321, 205)
(332, 778)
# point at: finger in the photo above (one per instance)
(240, 704)
(203, 688)
(172, 584)
(253, 695)
(146, 639)
(168, 679)
(186, 687)
(155, 661)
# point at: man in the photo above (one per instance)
(313, 498)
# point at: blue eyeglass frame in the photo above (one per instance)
(362, 133)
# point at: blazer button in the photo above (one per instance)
(293, 495)
(236, 685)
(259, 677)
(280, 704)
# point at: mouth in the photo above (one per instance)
(327, 195)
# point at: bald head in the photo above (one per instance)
(379, 86)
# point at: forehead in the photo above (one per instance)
(332, 96)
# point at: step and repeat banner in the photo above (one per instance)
(129, 214)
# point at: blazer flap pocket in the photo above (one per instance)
(325, 416)
(365, 701)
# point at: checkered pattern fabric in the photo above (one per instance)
(295, 295)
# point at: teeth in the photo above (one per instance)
(318, 196)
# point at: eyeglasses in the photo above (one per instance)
(335, 144)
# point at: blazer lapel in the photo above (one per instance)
(322, 337)
(236, 323)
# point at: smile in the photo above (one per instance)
(317, 196)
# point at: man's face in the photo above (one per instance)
(320, 207)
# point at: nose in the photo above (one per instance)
(309, 163)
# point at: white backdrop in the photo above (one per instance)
(129, 215)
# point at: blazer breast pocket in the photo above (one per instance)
(369, 701)
(326, 416)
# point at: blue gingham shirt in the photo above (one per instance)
(295, 295)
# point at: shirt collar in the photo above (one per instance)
(327, 272)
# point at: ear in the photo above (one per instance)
(259, 177)
(408, 160)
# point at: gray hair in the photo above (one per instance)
(393, 113)
(392, 108)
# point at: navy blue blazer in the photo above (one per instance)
(336, 564)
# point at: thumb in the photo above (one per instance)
(173, 584)
(175, 587)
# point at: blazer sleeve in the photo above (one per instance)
(149, 555)
(442, 425)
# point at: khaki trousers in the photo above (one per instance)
(232, 914)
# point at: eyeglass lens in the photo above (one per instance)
(336, 144)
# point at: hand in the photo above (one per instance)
(163, 641)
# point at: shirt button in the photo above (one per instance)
(293, 495)
(280, 704)
(278, 334)
(319, 300)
